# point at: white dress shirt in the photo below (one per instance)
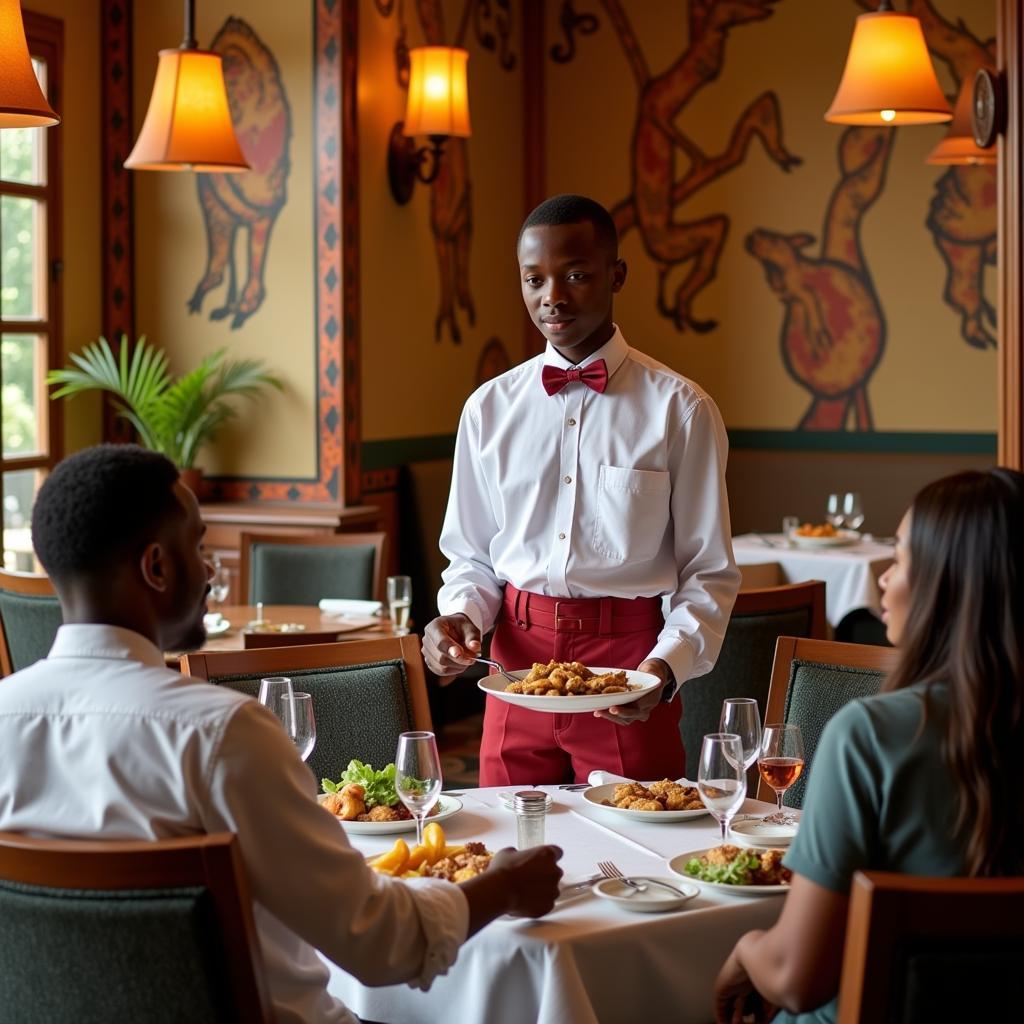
(102, 740)
(580, 494)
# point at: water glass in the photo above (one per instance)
(399, 603)
(834, 510)
(418, 775)
(277, 694)
(781, 763)
(721, 777)
(300, 724)
(790, 524)
(220, 582)
(853, 511)
(742, 717)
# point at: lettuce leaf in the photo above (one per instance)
(736, 872)
(378, 787)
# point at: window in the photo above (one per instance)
(30, 307)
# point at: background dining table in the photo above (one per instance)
(590, 961)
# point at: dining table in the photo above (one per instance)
(591, 960)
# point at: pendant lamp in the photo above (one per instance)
(888, 78)
(188, 124)
(22, 103)
(959, 147)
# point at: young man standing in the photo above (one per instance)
(587, 520)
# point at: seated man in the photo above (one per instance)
(101, 739)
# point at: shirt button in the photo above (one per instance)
(572, 422)
(568, 479)
(561, 536)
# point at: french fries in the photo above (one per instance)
(401, 862)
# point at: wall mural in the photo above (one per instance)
(656, 192)
(451, 205)
(247, 202)
(833, 333)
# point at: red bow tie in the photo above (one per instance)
(594, 375)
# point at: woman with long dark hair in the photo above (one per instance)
(927, 777)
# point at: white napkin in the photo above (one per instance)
(349, 606)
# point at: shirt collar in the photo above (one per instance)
(613, 352)
(92, 640)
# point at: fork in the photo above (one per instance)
(498, 665)
(609, 870)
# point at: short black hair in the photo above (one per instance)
(574, 209)
(100, 505)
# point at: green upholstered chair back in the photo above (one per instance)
(30, 623)
(816, 691)
(303, 574)
(87, 956)
(360, 711)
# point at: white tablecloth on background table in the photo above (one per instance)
(589, 961)
(850, 573)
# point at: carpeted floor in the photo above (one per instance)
(460, 752)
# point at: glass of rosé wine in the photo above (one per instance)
(781, 762)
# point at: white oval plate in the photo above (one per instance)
(494, 686)
(655, 900)
(449, 806)
(757, 833)
(842, 539)
(596, 794)
(677, 865)
(215, 627)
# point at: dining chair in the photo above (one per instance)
(155, 931)
(810, 681)
(303, 569)
(30, 616)
(758, 575)
(920, 950)
(744, 665)
(365, 692)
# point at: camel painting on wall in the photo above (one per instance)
(247, 204)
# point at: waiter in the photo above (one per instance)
(587, 520)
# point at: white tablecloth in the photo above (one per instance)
(589, 961)
(850, 573)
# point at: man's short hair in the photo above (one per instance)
(101, 505)
(573, 209)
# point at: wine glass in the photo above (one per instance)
(721, 778)
(399, 603)
(741, 717)
(277, 694)
(834, 510)
(781, 763)
(220, 583)
(300, 724)
(853, 511)
(418, 775)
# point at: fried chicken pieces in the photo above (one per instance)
(349, 805)
(568, 679)
(771, 871)
(665, 795)
(470, 862)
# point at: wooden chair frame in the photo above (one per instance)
(20, 583)
(788, 597)
(275, 661)
(826, 652)
(213, 861)
(886, 908)
(320, 540)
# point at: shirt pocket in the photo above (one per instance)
(632, 513)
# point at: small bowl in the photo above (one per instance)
(654, 900)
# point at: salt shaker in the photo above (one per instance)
(530, 806)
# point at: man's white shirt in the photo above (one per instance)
(580, 494)
(102, 741)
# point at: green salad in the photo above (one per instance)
(736, 872)
(378, 787)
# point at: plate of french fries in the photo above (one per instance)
(435, 857)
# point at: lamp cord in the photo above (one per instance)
(189, 42)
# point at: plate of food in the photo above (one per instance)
(659, 802)
(822, 535)
(435, 858)
(569, 687)
(734, 870)
(761, 833)
(659, 894)
(365, 802)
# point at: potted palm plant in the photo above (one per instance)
(175, 416)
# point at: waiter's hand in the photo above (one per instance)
(450, 645)
(640, 709)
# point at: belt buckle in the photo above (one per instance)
(567, 623)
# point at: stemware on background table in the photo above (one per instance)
(834, 510)
(418, 775)
(220, 582)
(853, 510)
(399, 594)
(721, 777)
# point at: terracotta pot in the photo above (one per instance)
(192, 479)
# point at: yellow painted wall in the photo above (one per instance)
(80, 131)
(929, 379)
(277, 435)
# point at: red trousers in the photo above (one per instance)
(521, 747)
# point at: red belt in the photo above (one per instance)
(601, 615)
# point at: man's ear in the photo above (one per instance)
(153, 563)
(619, 275)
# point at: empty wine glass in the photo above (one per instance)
(418, 775)
(853, 511)
(277, 694)
(300, 724)
(781, 763)
(721, 778)
(220, 582)
(834, 510)
(742, 717)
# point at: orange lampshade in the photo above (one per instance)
(959, 147)
(438, 96)
(188, 123)
(22, 103)
(888, 78)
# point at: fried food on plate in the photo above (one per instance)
(816, 530)
(346, 803)
(731, 865)
(665, 795)
(568, 679)
(434, 859)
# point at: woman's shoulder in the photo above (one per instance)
(894, 717)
